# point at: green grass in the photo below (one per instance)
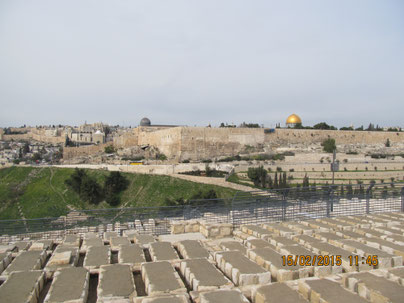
(42, 195)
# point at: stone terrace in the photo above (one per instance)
(357, 259)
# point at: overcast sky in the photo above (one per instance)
(199, 62)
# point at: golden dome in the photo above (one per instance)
(293, 119)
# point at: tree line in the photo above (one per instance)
(91, 191)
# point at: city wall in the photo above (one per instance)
(207, 143)
(154, 169)
(284, 136)
(198, 143)
(73, 152)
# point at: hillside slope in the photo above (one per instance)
(28, 192)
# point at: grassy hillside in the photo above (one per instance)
(41, 192)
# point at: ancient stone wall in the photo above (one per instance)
(168, 141)
(73, 152)
(207, 143)
(16, 137)
(284, 136)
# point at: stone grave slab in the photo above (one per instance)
(160, 278)
(132, 255)
(276, 293)
(375, 288)
(240, 269)
(22, 287)
(272, 261)
(202, 275)
(97, 256)
(324, 290)
(190, 249)
(116, 282)
(69, 285)
(163, 251)
(26, 260)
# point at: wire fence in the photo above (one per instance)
(244, 208)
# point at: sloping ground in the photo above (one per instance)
(41, 192)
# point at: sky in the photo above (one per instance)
(190, 62)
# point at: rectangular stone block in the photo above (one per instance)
(162, 251)
(160, 278)
(190, 249)
(202, 275)
(97, 256)
(115, 242)
(222, 296)
(324, 290)
(116, 283)
(26, 260)
(272, 261)
(69, 285)
(22, 286)
(132, 255)
(276, 293)
(375, 288)
(55, 263)
(240, 269)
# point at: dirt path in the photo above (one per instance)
(214, 181)
(57, 192)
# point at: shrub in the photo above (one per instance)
(185, 161)
(278, 168)
(291, 170)
(329, 145)
(257, 175)
(161, 157)
(387, 144)
(109, 149)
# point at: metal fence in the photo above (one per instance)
(244, 208)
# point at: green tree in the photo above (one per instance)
(109, 149)
(306, 182)
(257, 175)
(329, 145)
(323, 125)
(90, 190)
(113, 185)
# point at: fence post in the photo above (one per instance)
(283, 206)
(368, 198)
(402, 199)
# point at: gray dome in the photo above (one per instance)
(145, 122)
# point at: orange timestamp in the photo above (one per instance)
(311, 260)
(327, 260)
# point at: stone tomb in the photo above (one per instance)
(115, 242)
(69, 285)
(324, 290)
(62, 257)
(277, 293)
(374, 288)
(163, 251)
(202, 275)
(89, 242)
(132, 255)
(22, 287)
(160, 278)
(164, 299)
(97, 256)
(116, 282)
(5, 260)
(220, 296)
(190, 249)
(240, 269)
(272, 261)
(26, 260)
